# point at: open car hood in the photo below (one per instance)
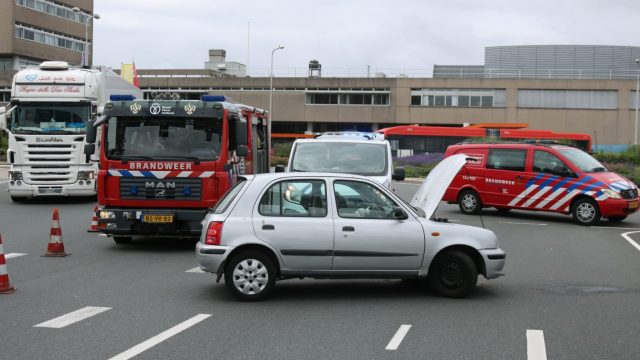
(435, 185)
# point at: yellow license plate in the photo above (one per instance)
(161, 219)
(633, 205)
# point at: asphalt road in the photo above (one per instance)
(578, 286)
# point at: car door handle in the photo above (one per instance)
(348, 228)
(268, 227)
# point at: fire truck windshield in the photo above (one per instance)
(150, 138)
(50, 118)
(341, 157)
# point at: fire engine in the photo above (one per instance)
(164, 162)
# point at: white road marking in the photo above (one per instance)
(398, 337)
(615, 228)
(13, 255)
(73, 317)
(146, 345)
(536, 349)
(630, 240)
(521, 223)
(4, 182)
(195, 270)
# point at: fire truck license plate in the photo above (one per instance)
(633, 204)
(165, 219)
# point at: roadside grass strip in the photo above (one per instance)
(630, 240)
(536, 349)
(73, 317)
(148, 344)
(13, 255)
(396, 340)
(196, 270)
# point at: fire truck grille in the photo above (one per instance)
(156, 189)
(629, 194)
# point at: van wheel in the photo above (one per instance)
(586, 212)
(616, 219)
(453, 274)
(250, 276)
(469, 202)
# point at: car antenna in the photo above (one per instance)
(470, 159)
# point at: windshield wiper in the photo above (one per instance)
(597, 169)
(196, 160)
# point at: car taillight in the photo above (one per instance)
(214, 233)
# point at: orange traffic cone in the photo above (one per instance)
(55, 246)
(5, 284)
(94, 221)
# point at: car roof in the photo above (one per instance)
(343, 139)
(304, 174)
(513, 144)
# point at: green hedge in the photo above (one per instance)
(626, 163)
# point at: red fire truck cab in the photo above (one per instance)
(163, 162)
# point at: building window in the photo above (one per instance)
(632, 99)
(54, 9)
(348, 97)
(458, 97)
(48, 38)
(568, 99)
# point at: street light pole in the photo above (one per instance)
(635, 133)
(85, 51)
(271, 94)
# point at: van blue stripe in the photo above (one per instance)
(551, 179)
(560, 184)
(148, 174)
(125, 173)
(534, 180)
(579, 183)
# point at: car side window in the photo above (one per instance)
(295, 198)
(506, 159)
(356, 199)
(548, 163)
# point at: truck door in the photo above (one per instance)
(506, 179)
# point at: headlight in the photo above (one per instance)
(85, 175)
(15, 175)
(107, 214)
(612, 193)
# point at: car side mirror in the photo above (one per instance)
(400, 214)
(242, 150)
(279, 168)
(89, 149)
(398, 174)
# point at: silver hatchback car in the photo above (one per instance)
(287, 225)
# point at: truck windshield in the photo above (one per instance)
(50, 118)
(582, 160)
(163, 138)
(341, 157)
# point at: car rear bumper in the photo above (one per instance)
(211, 257)
(494, 260)
(618, 207)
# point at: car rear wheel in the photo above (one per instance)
(122, 239)
(469, 202)
(453, 274)
(586, 212)
(616, 219)
(250, 276)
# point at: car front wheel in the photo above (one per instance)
(586, 212)
(250, 276)
(453, 274)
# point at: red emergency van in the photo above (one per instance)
(540, 177)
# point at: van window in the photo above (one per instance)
(506, 159)
(548, 163)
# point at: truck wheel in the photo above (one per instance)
(250, 276)
(469, 202)
(616, 219)
(453, 274)
(18, 199)
(586, 212)
(122, 239)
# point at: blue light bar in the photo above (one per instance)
(122, 97)
(214, 98)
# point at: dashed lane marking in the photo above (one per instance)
(398, 337)
(13, 255)
(195, 270)
(615, 228)
(630, 240)
(536, 349)
(521, 223)
(148, 344)
(73, 317)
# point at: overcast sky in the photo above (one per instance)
(346, 36)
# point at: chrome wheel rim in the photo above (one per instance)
(250, 276)
(469, 202)
(586, 212)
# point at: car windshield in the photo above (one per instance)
(341, 157)
(50, 118)
(582, 160)
(163, 138)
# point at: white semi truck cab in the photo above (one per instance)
(46, 125)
